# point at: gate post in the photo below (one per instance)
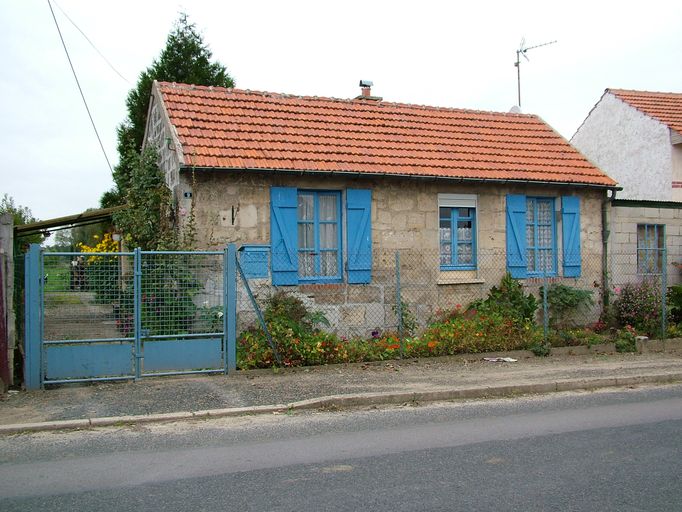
(230, 308)
(137, 308)
(33, 316)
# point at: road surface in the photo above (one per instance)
(604, 451)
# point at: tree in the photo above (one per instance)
(185, 59)
(21, 215)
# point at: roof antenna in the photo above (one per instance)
(522, 51)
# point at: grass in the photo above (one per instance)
(58, 276)
(62, 298)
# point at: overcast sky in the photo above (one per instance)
(450, 54)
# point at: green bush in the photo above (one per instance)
(675, 303)
(474, 331)
(508, 300)
(575, 338)
(293, 331)
(565, 304)
(640, 306)
(626, 340)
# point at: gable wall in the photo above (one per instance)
(630, 147)
(160, 133)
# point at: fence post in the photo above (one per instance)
(399, 303)
(7, 247)
(33, 314)
(137, 321)
(230, 308)
(545, 309)
(664, 295)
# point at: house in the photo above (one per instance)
(636, 138)
(322, 192)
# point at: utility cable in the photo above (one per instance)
(91, 43)
(79, 87)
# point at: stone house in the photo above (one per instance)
(636, 138)
(321, 193)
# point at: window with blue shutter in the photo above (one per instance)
(570, 218)
(517, 260)
(359, 234)
(306, 236)
(532, 236)
(283, 236)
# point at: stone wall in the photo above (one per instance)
(235, 207)
(623, 240)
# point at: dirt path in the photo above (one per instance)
(76, 315)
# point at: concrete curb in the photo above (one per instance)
(357, 400)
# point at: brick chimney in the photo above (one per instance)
(366, 91)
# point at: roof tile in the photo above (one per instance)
(237, 129)
(664, 106)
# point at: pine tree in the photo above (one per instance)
(185, 59)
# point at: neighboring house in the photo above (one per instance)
(636, 138)
(334, 187)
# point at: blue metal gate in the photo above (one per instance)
(128, 315)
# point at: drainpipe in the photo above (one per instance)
(605, 232)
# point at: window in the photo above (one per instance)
(319, 235)
(650, 245)
(540, 236)
(457, 228)
(532, 236)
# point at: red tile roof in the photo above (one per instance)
(237, 129)
(664, 106)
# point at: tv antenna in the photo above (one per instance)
(522, 51)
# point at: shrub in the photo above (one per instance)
(101, 273)
(626, 340)
(541, 349)
(639, 305)
(508, 300)
(295, 336)
(474, 331)
(675, 303)
(565, 303)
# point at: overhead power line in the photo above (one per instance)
(73, 70)
(92, 44)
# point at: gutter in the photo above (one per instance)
(408, 176)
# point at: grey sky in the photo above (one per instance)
(450, 54)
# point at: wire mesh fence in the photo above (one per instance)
(86, 296)
(92, 296)
(181, 293)
(406, 291)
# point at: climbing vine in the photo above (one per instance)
(149, 222)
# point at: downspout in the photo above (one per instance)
(605, 232)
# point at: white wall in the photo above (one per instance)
(677, 171)
(631, 147)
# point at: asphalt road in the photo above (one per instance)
(611, 450)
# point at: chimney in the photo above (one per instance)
(366, 91)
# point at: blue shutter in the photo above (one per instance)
(517, 260)
(570, 218)
(284, 235)
(359, 233)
